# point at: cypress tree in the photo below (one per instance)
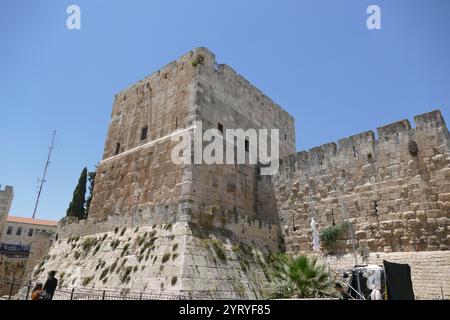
(91, 180)
(76, 206)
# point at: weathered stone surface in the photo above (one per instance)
(402, 195)
(176, 260)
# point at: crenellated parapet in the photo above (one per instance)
(395, 188)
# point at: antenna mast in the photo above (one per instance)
(47, 163)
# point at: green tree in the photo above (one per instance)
(91, 181)
(76, 206)
(297, 277)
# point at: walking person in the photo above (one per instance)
(51, 284)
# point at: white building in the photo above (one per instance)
(18, 230)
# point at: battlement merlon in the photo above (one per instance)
(430, 119)
(393, 129)
(366, 143)
(7, 189)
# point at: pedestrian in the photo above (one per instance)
(343, 295)
(51, 284)
(37, 292)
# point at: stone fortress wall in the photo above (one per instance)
(396, 189)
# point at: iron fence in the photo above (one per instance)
(15, 289)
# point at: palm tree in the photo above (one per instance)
(297, 277)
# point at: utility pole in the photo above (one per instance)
(47, 163)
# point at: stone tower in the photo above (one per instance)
(192, 230)
(6, 197)
(137, 174)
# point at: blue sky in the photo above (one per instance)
(316, 58)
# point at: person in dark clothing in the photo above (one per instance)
(343, 295)
(51, 284)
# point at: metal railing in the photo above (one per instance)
(16, 289)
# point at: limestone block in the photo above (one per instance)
(409, 215)
(433, 213)
(444, 197)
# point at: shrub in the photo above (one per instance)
(297, 277)
(198, 60)
(174, 256)
(140, 239)
(104, 273)
(88, 243)
(244, 265)
(165, 257)
(124, 249)
(364, 252)
(126, 274)
(218, 248)
(116, 229)
(330, 234)
(114, 265)
(123, 231)
(87, 280)
(175, 247)
(97, 248)
(115, 243)
(174, 280)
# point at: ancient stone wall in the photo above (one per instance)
(239, 228)
(394, 189)
(175, 260)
